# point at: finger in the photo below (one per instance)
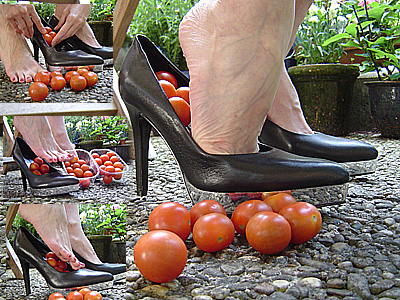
(62, 20)
(23, 26)
(36, 19)
(62, 34)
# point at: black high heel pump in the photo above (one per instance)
(259, 172)
(30, 250)
(53, 183)
(57, 60)
(75, 43)
(105, 267)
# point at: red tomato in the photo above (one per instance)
(52, 262)
(182, 109)
(110, 169)
(56, 296)
(84, 182)
(51, 255)
(55, 74)
(52, 34)
(75, 295)
(69, 170)
(279, 201)
(205, 207)
(93, 295)
(254, 196)
(62, 265)
(78, 83)
(244, 211)
(304, 219)
(48, 38)
(74, 160)
(102, 170)
(213, 232)
(44, 169)
(236, 196)
(98, 161)
(95, 155)
(171, 216)
(42, 76)
(104, 158)
(36, 172)
(84, 291)
(85, 168)
(265, 195)
(88, 174)
(108, 163)
(168, 88)
(183, 92)
(38, 91)
(118, 174)
(70, 74)
(110, 154)
(268, 232)
(163, 75)
(67, 164)
(160, 255)
(82, 71)
(38, 160)
(34, 166)
(119, 165)
(107, 179)
(114, 159)
(57, 83)
(76, 165)
(48, 29)
(81, 162)
(78, 172)
(91, 78)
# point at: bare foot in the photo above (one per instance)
(16, 57)
(37, 133)
(86, 35)
(286, 110)
(59, 132)
(234, 50)
(79, 241)
(50, 221)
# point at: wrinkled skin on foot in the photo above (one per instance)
(235, 51)
(50, 221)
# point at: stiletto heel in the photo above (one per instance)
(32, 251)
(25, 273)
(272, 170)
(141, 134)
(53, 183)
(35, 50)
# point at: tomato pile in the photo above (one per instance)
(80, 169)
(59, 265)
(49, 35)
(110, 166)
(81, 294)
(38, 167)
(269, 223)
(178, 97)
(78, 78)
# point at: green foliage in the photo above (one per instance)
(102, 10)
(375, 29)
(20, 222)
(322, 22)
(159, 20)
(46, 10)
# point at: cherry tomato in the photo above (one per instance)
(67, 164)
(182, 109)
(213, 232)
(56, 296)
(74, 160)
(254, 196)
(119, 165)
(160, 255)
(36, 172)
(48, 29)
(93, 295)
(38, 160)
(91, 78)
(70, 74)
(52, 262)
(236, 196)
(110, 154)
(76, 165)
(88, 174)
(304, 219)
(84, 291)
(55, 74)
(81, 161)
(38, 91)
(44, 169)
(47, 37)
(51, 255)
(205, 207)
(268, 232)
(82, 71)
(171, 216)
(78, 172)
(244, 211)
(69, 170)
(183, 92)
(279, 201)
(62, 265)
(34, 166)
(104, 158)
(52, 34)
(265, 195)
(108, 163)
(102, 170)
(110, 169)
(107, 179)
(95, 155)
(42, 76)
(114, 159)
(84, 182)
(98, 161)
(168, 88)
(57, 83)
(85, 167)
(163, 75)
(78, 83)
(118, 174)
(75, 295)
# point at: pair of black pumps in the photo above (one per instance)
(69, 53)
(31, 250)
(286, 161)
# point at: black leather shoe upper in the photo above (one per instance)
(34, 251)
(24, 155)
(105, 267)
(317, 145)
(75, 43)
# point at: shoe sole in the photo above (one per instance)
(360, 167)
(106, 285)
(65, 69)
(54, 191)
(318, 196)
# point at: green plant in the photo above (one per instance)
(323, 21)
(102, 11)
(80, 128)
(20, 222)
(114, 129)
(375, 29)
(159, 20)
(45, 10)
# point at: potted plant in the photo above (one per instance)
(100, 20)
(325, 87)
(375, 31)
(81, 132)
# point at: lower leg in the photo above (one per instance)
(79, 241)
(234, 51)
(59, 132)
(50, 221)
(37, 133)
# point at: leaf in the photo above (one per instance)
(365, 24)
(395, 76)
(352, 29)
(352, 43)
(336, 38)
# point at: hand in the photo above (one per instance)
(72, 19)
(19, 16)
